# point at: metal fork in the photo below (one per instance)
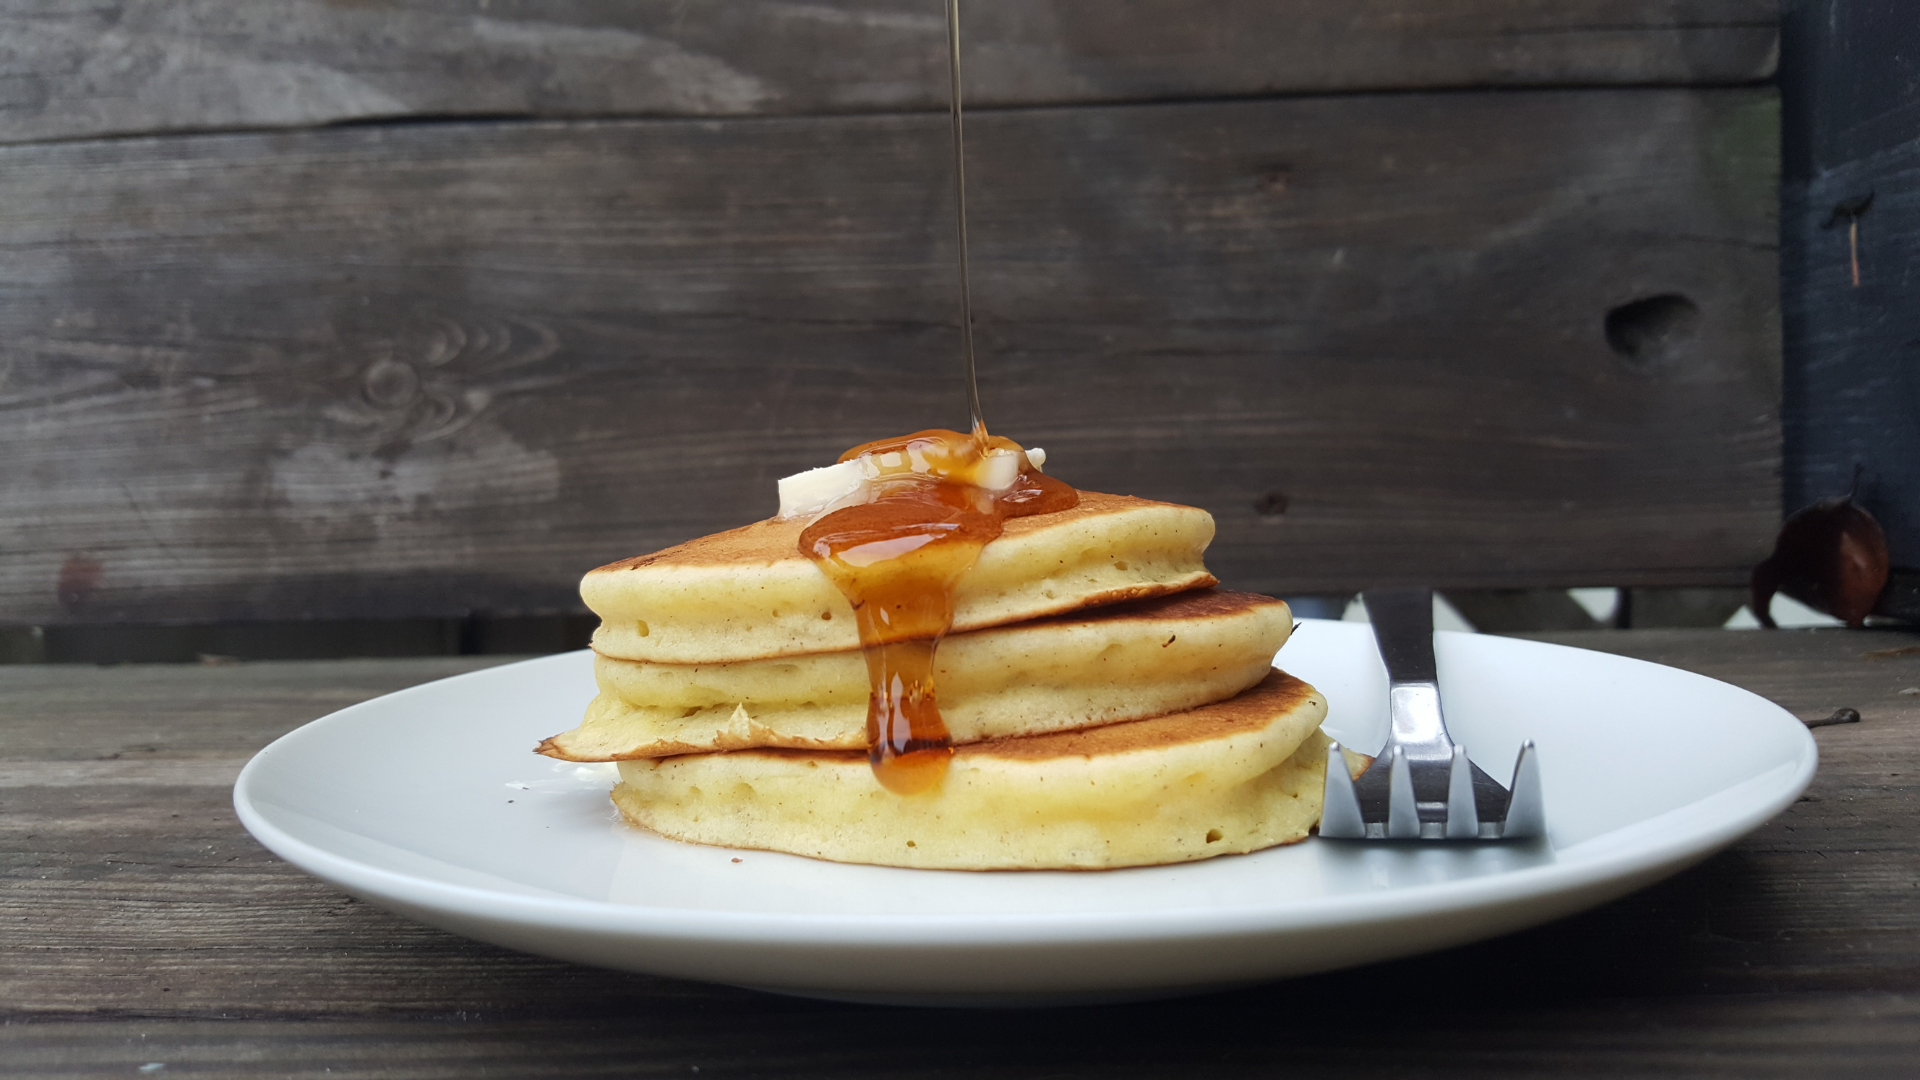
(1421, 785)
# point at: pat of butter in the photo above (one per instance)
(847, 483)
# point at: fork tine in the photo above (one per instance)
(1476, 807)
(1526, 811)
(1403, 815)
(1340, 807)
(1463, 820)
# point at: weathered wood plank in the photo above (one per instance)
(180, 712)
(421, 371)
(1850, 232)
(1855, 377)
(141, 925)
(1810, 673)
(146, 66)
(1791, 1036)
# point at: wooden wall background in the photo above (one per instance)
(1852, 157)
(383, 310)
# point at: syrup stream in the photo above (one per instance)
(898, 557)
(974, 415)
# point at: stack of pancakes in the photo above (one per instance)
(1107, 705)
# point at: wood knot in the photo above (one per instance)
(390, 384)
(1653, 332)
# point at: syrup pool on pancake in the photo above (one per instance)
(932, 501)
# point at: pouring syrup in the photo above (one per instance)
(899, 556)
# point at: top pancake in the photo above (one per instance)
(749, 593)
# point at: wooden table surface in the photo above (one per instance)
(142, 932)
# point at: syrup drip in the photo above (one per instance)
(897, 560)
(898, 557)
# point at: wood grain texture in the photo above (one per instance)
(1853, 375)
(1790, 1036)
(1810, 673)
(388, 372)
(1854, 383)
(140, 924)
(70, 70)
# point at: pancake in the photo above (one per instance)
(1104, 666)
(749, 594)
(1231, 777)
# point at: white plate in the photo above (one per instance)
(428, 802)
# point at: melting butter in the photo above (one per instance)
(850, 482)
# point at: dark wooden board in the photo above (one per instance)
(1851, 75)
(411, 371)
(1853, 386)
(707, 1035)
(1853, 350)
(144, 66)
(140, 924)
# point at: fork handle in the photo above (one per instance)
(1403, 625)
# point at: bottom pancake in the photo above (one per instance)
(1227, 778)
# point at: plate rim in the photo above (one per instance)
(1654, 855)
